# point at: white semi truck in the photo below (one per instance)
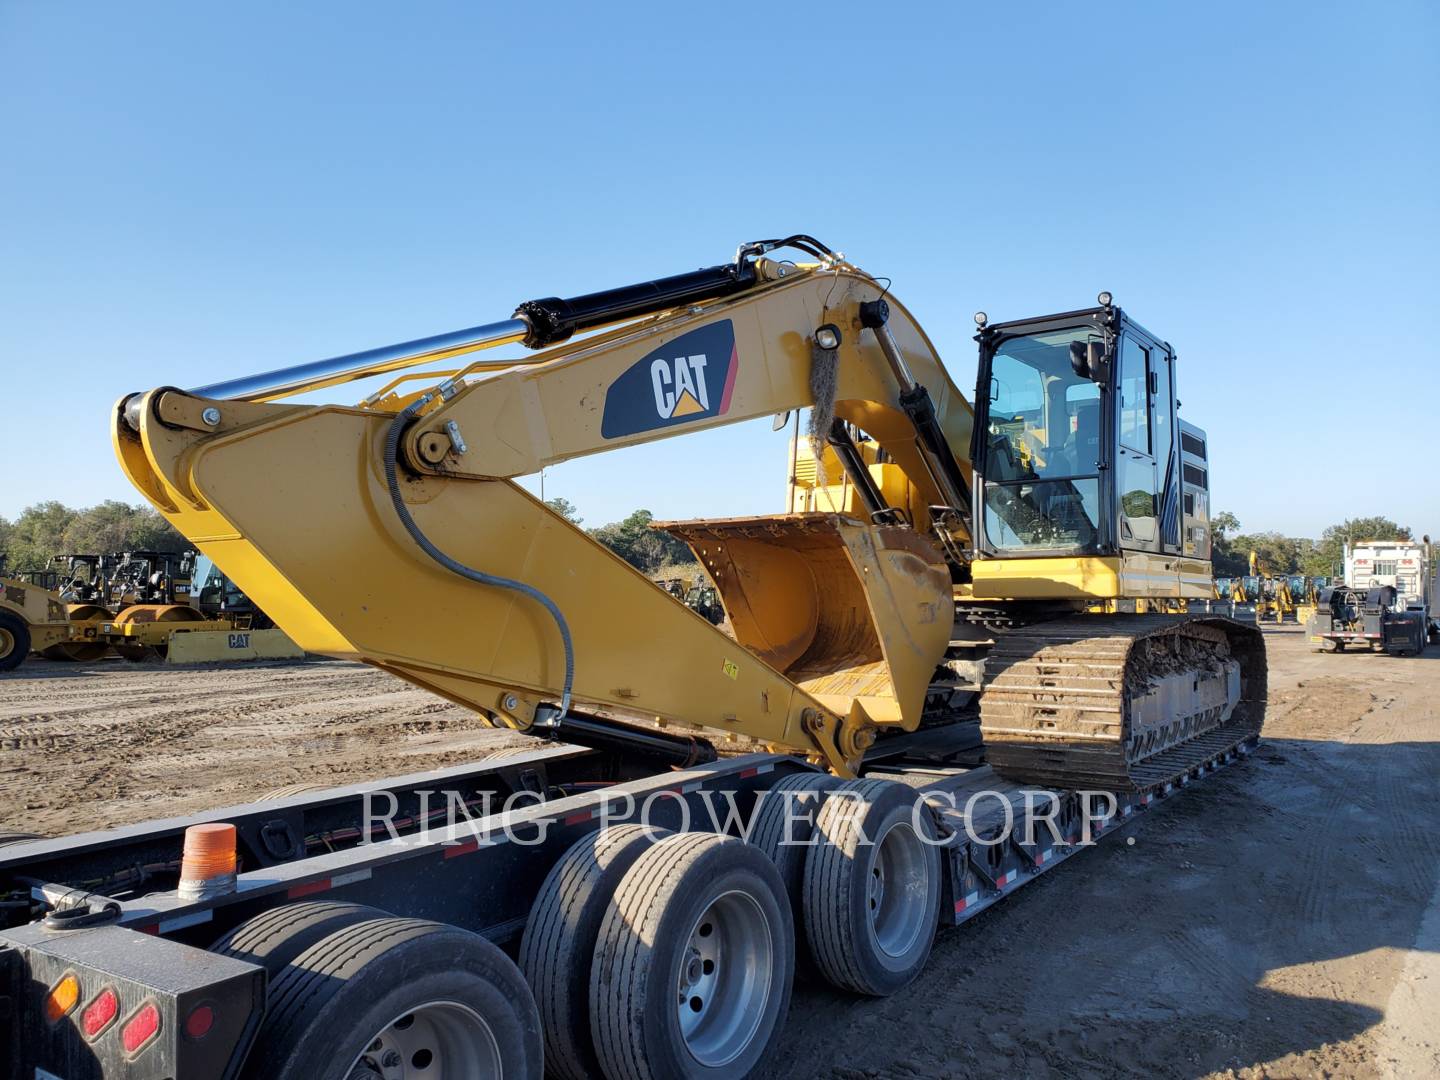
(1387, 601)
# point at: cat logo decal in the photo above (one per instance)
(687, 379)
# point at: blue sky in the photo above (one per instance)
(190, 193)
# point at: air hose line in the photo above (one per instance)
(392, 448)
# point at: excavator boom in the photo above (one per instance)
(846, 619)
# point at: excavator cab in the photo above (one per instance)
(1077, 455)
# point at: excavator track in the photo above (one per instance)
(1120, 702)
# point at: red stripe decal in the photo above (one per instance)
(578, 818)
(153, 928)
(745, 774)
(462, 849)
(310, 888)
(730, 381)
(959, 905)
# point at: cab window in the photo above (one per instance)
(1134, 396)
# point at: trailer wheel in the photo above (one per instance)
(399, 998)
(872, 887)
(694, 963)
(559, 942)
(14, 641)
(274, 938)
(783, 828)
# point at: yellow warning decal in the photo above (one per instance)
(731, 669)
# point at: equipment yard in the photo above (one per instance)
(1279, 919)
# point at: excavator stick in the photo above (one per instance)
(344, 579)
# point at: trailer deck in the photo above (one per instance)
(392, 845)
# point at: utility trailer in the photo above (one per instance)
(606, 917)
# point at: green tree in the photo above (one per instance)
(1223, 527)
(642, 547)
(51, 528)
(1329, 556)
(117, 526)
(1278, 554)
(37, 534)
(566, 509)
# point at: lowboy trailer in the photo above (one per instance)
(341, 889)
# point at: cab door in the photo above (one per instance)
(1136, 473)
(1165, 440)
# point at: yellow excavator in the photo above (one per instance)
(954, 573)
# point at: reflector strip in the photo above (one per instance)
(310, 888)
(969, 901)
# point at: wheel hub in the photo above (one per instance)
(438, 1039)
(898, 890)
(723, 979)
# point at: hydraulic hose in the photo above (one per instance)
(392, 448)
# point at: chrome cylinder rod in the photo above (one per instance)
(341, 369)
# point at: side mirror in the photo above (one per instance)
(1088, 359)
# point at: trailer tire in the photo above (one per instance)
(704, 915)
(559, 942)
(274, 938)
(399, 985)
(8, 838)
(786, 839)
(872, 887)
(14, 641)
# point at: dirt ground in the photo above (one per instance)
(1281, 919)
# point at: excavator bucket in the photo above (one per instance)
(858, 615)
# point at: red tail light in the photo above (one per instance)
(98, 1014)
(140, 1028)
(199, 1022)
